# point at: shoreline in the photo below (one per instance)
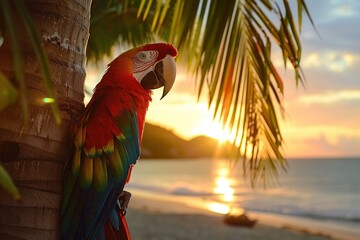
(176, 209)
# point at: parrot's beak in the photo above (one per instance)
(168, 74)
(163, 75)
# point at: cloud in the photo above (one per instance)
(330, 97)
(331, 60)
(321, 140)
(343, 10)
(333, 10)
(322, 147)
(331, 132)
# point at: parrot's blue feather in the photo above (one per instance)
(114, 219)
(72, 213)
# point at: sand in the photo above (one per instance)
(154, 218)
(145, 225)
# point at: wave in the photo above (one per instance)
(184, 191)
(147, 188)
(331, 215)
(345, 215)
(180, 191)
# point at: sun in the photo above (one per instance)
(211, 128)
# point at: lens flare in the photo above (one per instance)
(48, 100)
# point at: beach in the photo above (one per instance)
(183, 199)
(151, 217)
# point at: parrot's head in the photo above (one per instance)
(151, 65)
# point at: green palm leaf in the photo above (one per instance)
(8, 184)
(113, 23)
(228, 45)
(8, 93)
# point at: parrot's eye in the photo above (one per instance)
(146, 56)
(142, 56)
(144, 59)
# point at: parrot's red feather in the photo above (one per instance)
(102, 126)
(163, 49)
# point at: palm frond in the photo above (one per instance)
(8, 93)
(8, 184)
(228, 45)
(7, 15)
(113, 23)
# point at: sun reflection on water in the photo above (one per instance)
(218, 207)
(224, 189)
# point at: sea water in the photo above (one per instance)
(322, 189)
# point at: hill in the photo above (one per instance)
(159, 142)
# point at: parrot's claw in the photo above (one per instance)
(123, 201)
(123, 211)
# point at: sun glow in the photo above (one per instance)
(214, 129)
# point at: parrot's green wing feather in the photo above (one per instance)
(98, 171)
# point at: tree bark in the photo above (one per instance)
(34, 153)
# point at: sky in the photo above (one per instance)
(321, 119)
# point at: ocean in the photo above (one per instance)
(317, 189)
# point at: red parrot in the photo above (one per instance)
(107, 142)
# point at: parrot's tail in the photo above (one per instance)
(117, 234)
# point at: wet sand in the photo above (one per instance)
(153, 218)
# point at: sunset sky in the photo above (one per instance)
(322, 119)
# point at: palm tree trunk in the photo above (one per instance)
(34, 153)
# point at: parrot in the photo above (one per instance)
(107, 140)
